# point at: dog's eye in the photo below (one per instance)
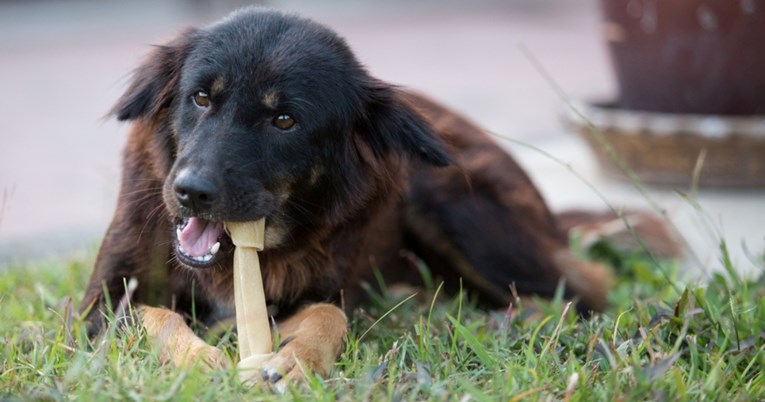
(201, 99)
(284, 122)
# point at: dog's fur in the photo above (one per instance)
(367, 170)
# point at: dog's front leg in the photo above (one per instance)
(312, 340)
(177, 342)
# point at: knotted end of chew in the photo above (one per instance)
(250, 368)
(247, 234)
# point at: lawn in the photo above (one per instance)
(660, 340)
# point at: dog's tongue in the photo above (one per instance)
(199, 235)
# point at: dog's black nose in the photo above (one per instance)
(195, 191)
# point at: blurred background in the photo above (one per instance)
(64, 63)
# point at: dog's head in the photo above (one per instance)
(268, 115)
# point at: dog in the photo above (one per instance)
(269, 115)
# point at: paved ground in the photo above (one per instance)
(65, 62)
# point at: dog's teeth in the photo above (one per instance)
(215, 248)
(178, 232)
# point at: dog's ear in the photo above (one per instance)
(154, 84)
(391, 124)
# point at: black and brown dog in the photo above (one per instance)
(270, 115)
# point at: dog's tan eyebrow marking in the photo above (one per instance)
(315, 174)
(217, 86)
(270, 99)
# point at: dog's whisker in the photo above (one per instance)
(142, 190)
(158, 211)
(143, 195)
(251, 163)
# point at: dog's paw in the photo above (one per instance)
(313, 339)
(206, 356)
(297, 357)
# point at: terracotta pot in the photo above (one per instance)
(688, 56)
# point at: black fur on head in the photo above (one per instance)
(252, 68)
(393, 126)
(390, 124)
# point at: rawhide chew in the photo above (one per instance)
(252, 322)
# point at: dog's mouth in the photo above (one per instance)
(201, 243)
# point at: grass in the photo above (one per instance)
(658, 341)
